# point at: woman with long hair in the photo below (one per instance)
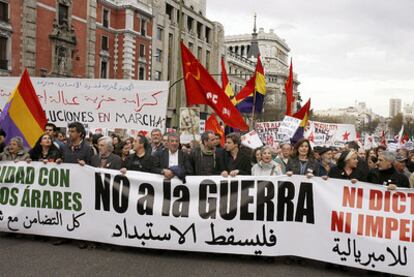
(45, 150)
(346, 168)
(302, 162)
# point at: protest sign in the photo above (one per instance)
(288, 128)
(189, 124)
(98, 103)
(268, 132)
(359, 225)
(329, 134)
(251, 140)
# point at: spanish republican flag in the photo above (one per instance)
(303, 114)
(225, 84)
(289, 91)
(23, 114)
(255, 87)
(201, 88)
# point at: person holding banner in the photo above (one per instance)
(325, 163)
(266, 166)
(386, 174)
(14, 151)
(302, 162)
(206, 160)
(171, 161)
(45, 150)
(141, 160)
(236, 162)
(106, 158)
(77, 150)
(347, 168)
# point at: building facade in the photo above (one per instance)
(203, 37)
(76, 38)
(274, 54)
(395, 107)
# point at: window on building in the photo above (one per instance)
(169, 10)
(141, 50)
(199, 53)
(143, 27)
(105, 18)
(159, 33)
(141, 73)
(190, 21)
(207, 60)
(63, 14)
(104, 69)
(191, 46)
(3, 53)
(158, 55)
(208, 33)
(157, 75)
(4, 11)
(199, 29)
(105, 43)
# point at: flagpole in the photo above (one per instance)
(179, 77)
(254, 108)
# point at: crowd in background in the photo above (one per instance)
(164, 154)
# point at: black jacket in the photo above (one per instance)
(241, 163)
(339, 173)
(388, 176)
(202, 164)
(72, 154)
(112, 162)
(163, 160)
(295, 166)
(145, 163)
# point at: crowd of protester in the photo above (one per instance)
(165, 155)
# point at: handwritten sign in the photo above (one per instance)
(288, 127)
(268, 132)
(189, 124)
(329, 134)
(99, 103)
(359, 225)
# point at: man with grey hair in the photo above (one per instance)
(283, 157)
(386, 174)
(105, 158)
(171, 161)
(156, 141)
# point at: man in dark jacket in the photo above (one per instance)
(206, 160)
(77, 150)
(386, 174)
(105, 158)
(141, 160)
(171, 161)
(236, 162)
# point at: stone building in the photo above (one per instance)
(241, 58)
(202, 36)
(76, 38)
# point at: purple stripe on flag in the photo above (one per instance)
(12, 131)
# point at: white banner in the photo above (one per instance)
(329, 134)
(98, 103)
(268, 132)
(358, 225)
(288, 127)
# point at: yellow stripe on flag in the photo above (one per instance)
(260, 83)
(24, 120)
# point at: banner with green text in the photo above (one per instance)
(359, 225)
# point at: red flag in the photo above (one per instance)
(303, 111)
(212, 124)
(289, 91)
(201, 88)
(383, 140)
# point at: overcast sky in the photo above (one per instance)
(342, 50)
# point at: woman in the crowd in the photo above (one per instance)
(370, 152)
(45, 150)
(256, 155)
(105, 158)
(116, 142)
(14, 151)
(266, 166)
(302, 162)
(125, 150)
(325, 164)
(372, 162)
(346, 167)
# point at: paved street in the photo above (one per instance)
(28, 257)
